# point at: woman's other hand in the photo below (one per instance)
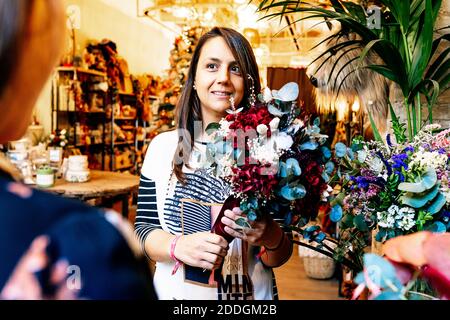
(265, 232)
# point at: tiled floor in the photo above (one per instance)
(294, 284)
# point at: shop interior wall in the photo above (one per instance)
(145, 48)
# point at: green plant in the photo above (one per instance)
(404, 42)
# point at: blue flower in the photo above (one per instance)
(399, 161)
(409, 149)
(388, 140)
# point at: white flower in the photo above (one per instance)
(425, 159)
(224, 128)
(385, 220)
(405, 219)
(282, 141)
(274, 123)
(393, 210)
(262, 129)
(375, 164)
(267, 95)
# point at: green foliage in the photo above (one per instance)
(404, 43)
(398, 128)
(422, 219)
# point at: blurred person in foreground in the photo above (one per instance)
(51, 247)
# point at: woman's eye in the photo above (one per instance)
(211, 66)
(235, 69)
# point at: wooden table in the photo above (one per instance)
(103, 184)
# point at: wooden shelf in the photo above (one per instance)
(123, 143)
(87, 112)
(127, 127)
(122, 93)
(83, 145)
(81, 70)
(123, 118)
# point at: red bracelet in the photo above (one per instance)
(172, 254)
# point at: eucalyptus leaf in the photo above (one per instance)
(329, 167)
(437, 204)
(242, 222)
(427, 181)
(360, 223)
(213, 126)
(275, 111)
(437, 227)
(325, 152)
(289, 92)
(293, 167)
(293, 193)
(336, 213)
(389, 295)
(340, 149)
(380, 271)
(418, 200)
(309, 145)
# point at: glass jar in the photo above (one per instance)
(45, 177)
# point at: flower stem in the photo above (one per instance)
(408, 116)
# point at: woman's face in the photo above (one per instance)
(218, 77)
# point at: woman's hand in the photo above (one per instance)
(202, 249)
(265, 232)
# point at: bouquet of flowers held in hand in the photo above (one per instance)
(395, 188)
(271, 155)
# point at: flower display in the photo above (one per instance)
(272, 156)
(58, 138)
(392, 189)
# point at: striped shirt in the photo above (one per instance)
(164, 203)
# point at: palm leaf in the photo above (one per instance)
(376, 133)
(392, 59)
(441, 71)
(422, 49)
(356, 11)
(400, 10)
(437, 62)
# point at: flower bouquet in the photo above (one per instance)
(398, 188)
(271, 155)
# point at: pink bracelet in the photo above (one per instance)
(172, 254)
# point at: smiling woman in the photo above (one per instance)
(178, 202)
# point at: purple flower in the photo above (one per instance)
(399, 161)
(409, 149)
(442, 151)
(388, 140)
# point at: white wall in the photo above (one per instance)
(144, 44)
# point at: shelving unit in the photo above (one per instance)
(79, 107)
(142, 144)
(122, 150)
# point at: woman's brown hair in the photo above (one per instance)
(188, 107)
(13, 14)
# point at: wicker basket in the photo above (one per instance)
(317, 265)
(319, 268)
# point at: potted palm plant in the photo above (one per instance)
(402, 39)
